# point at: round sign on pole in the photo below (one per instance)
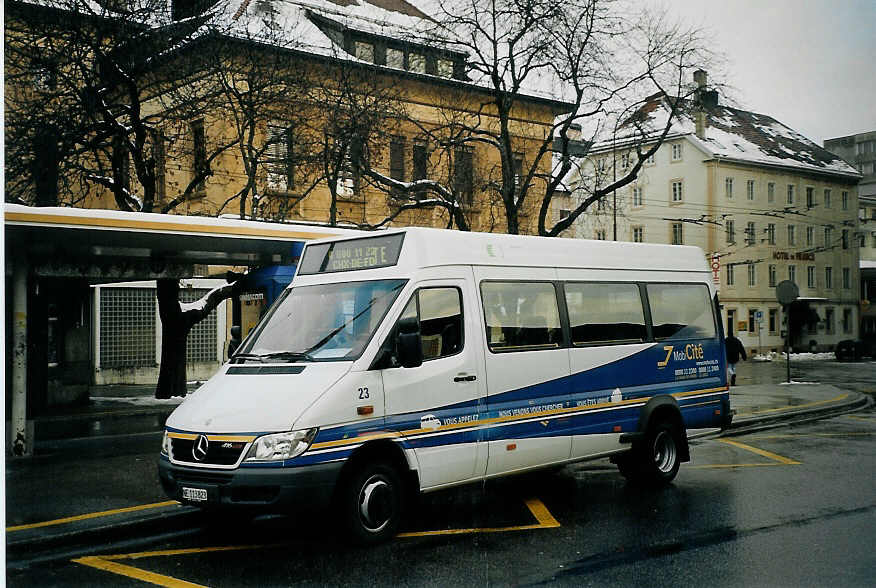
(787, 292)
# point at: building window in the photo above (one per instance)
(792, 273)
(395, 58)
(810, 236)
(845, 200)
(810, 197)
(650, 160)
(792, 230)
(364, 51)
(637, 196)
(828, 277)
(845, 238)
(730, 231)
(810, 276)
(416, 63)
(752, 320)
(676, 152)
(199, 152)
(790, 193)
(728, 187)
(625, 160)
(771, 233)
(750, 234)
(828, 321)
(828, 236)
(397, 158)
(638, 234)
(279, 152)
(127, 328)
(419, 159)
(771, 192)
(827, 197)
(677, 233)
(749, 189)
(565, 213)
(752, 274)
(847, 278)
(731, 279)
(847, 320)
(160, 155)
(677, 194)
(600, 234)
(772, 276)
(774, 320)
(463, 174)
(445, 68)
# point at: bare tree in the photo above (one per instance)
(597, 58)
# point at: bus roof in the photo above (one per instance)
(428, 247)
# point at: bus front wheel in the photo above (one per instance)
(371, 503)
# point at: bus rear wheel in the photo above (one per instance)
(655, 460)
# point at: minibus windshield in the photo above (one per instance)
(325, 322)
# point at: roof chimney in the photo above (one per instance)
(700, 78)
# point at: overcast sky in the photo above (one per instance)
(810, 64)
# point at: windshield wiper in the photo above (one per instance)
(246, 356)
(289, 355)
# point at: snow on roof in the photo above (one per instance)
(745, 136)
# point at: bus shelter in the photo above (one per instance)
(54, 257)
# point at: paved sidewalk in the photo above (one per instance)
(94, 476)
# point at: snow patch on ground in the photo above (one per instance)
(799, 383)
(773, 356)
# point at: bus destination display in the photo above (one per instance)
(356, 254)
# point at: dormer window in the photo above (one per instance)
(445, 68)
(395, 58)
(364, 51)
(416, 63)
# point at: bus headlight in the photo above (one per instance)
(281, 445)
(165, 445)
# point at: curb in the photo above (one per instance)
(776, 419)
(32, 544)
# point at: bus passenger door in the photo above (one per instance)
(527, 369)
(436, 405)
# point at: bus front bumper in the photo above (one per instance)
(270, 489)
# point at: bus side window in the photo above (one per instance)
(605, 313)
(439, 313)
(681, 311)
(521, 316)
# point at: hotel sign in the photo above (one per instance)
(799, 256)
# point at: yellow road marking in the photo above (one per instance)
(545, 521)
(91, 515)
(114, 567)
(732, 465)
(109, 563)
(807, 405)
(761, 452)
(860, 418)
(803, 435)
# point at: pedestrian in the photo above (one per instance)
(735, 350)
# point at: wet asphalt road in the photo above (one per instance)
(792, 506)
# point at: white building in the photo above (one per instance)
(765, 203)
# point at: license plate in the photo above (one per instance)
(194, 494)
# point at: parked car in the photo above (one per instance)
(852, 350)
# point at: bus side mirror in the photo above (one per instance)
(410, 348)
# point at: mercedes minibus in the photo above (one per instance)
(418, 359)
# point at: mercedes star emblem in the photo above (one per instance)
(199, 450)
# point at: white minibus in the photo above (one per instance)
(418, 359)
